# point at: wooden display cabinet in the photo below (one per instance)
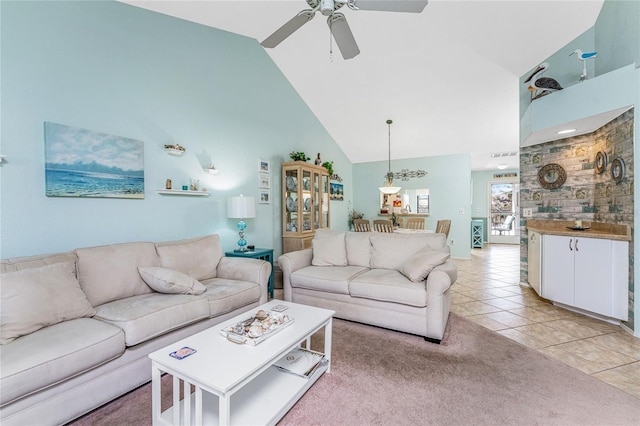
(305, 203)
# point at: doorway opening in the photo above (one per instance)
(504, 217)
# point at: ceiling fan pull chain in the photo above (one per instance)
(330, 44)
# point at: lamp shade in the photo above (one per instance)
(241, 207)
(389, 189)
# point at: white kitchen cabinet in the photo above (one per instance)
(586, 273)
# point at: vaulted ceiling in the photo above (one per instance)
(447, 77)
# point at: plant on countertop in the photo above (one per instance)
(298, 156)
(353, 215)
(329, 166)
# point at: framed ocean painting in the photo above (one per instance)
(84, 163)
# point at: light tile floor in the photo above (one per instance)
(488, 292)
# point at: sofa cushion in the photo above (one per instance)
(166, 280)
(358, 248)
(109, 273)
(333, 280)
(146, 316)
(388, 286)
(226, 295)
(418, 265)
(389, 251)
(329, 250)
(26, 262)
(56, 353)
(197, 257)
(34, 298)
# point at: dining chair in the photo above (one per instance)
(383, 225)
(362, 225)
(415, 223)
(443, 226)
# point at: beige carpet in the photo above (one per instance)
(476, 377)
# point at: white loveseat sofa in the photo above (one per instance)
(76, 327)
(396, 281)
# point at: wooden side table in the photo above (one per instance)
(257, 253)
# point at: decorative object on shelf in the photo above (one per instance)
(102, 165)
(241, 207)
(174, 149)
(551, 176)
(584, 57)
(185, 188)
(212, 170)
(291, 183)
(2, 158)
(194, 185)
(388, 187)
(540, 86)
(618, 170)
(167, 185)
(298, 156)
(601, 161)
(329, 166)
(336, 192)
(264, 197)
(264, 166)
(405, 174)
(264, 181)
(319, 161)
(291, 205)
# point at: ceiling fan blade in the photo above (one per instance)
(412, 6)
(343, 36)
(288, 28)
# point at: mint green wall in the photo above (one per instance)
(617, 35)
(122, 70)
(449, 184)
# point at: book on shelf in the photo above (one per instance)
(300, 361)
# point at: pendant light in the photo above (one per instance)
(388, 187)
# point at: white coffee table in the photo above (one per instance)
(238, 384)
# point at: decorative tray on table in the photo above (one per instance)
(257, 328)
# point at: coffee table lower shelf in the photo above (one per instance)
(264, 400)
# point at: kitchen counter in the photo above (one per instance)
(607, 231)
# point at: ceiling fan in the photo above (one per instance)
(338, 23)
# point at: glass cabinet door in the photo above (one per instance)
(324, 201)
(306, 201)
(290, 185)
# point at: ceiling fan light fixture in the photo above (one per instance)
(387, 187)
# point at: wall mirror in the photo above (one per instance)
(551, 176)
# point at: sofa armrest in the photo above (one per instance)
(439, 298)
(291, 262)
(244, 269)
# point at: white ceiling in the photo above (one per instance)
(448, 77)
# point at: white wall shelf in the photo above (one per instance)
(182, 192)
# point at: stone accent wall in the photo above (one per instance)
(586, 194)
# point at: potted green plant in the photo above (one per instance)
(298, 156)
(329, 166)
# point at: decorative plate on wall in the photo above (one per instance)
(601, 162)
(551, 176)
(617, 170)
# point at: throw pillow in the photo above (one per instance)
(420, 264)
(165, 280)
(330, 250)
(34, 298)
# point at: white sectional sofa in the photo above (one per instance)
(396, 281)
(76, 327)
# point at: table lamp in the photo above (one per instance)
(241, 207)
